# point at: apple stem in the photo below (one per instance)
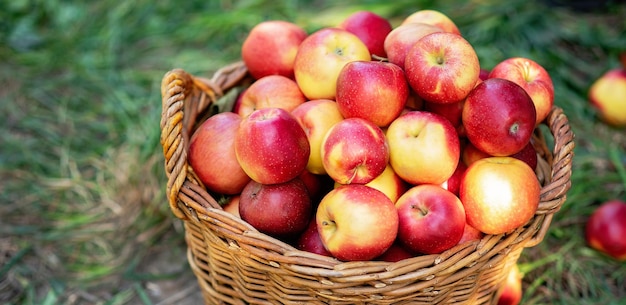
(423, 211)
(514, 129)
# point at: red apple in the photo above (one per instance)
(311, 241)
(499, 194)
(484, 74)
(607, 95)
(400, 40)
(423, 147)
(316, 117)
(270, 48)
(531, 76)
(271, 147)
(431, 219)
(452, 111)
(471, 154)
(281, 210)
(499, 117)
(212, 154)
(528, 154)
(454, 182)
(371, 28)
(442, 67)
(470, 234)
(433, 17)
(372, 90)
(356, 222)
(354, 151)
(511, 293)
(320, 58)
(396, 253)
(232, 205)
(272, 91)
(606, 229)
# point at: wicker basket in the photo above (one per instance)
(235, 264)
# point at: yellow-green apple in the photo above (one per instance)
(316, 117)
(433, 17)
(320, 58)
(470, 234)
(511, 293)
(371, 28)
(232, 205)
(396, 253)
(442, 67)
(356, 222)
(430, 219)
(454, 182)
(270, 48)
(499, 194)
(423, 147)
(531, 76)
(281, 210)
(310, 240)
(271, 147)
(271, 91)
(400, 40)
(212, 154)
(373, 90)
(354, 151)
(608, 95)
(606, 228)
(499, 117)
(451, 111)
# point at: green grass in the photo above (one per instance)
(82, 184)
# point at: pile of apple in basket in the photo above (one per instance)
(371, 142)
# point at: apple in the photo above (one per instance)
(354, 151)
(320, 58)
(310, 240)
(622, 59)
(431, 219)
(212, 154)
(232, 205)
(511, 293)
(499, 117)
(400, 40)
(454, 182)
(499, 194)
(413, 102)
(607, 95)
(271, 91)
(372, 90)
(356, 222)
(433, 17)
(389, 183)
(442, 67)
(395, 253)
(316, 117)
(271, 147)
(470, 234)
(371, 28)
(452, 111)
(270, 48)
(423, 147)
(528, 154)
(531, 76)
(484, 74)
(606, 228)
(280, 210)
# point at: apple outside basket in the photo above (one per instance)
(236, 264)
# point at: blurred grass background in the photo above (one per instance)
(83, 216)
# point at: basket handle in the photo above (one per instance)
(553, 194)
(184, 98)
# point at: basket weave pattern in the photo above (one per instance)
(236, 264)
